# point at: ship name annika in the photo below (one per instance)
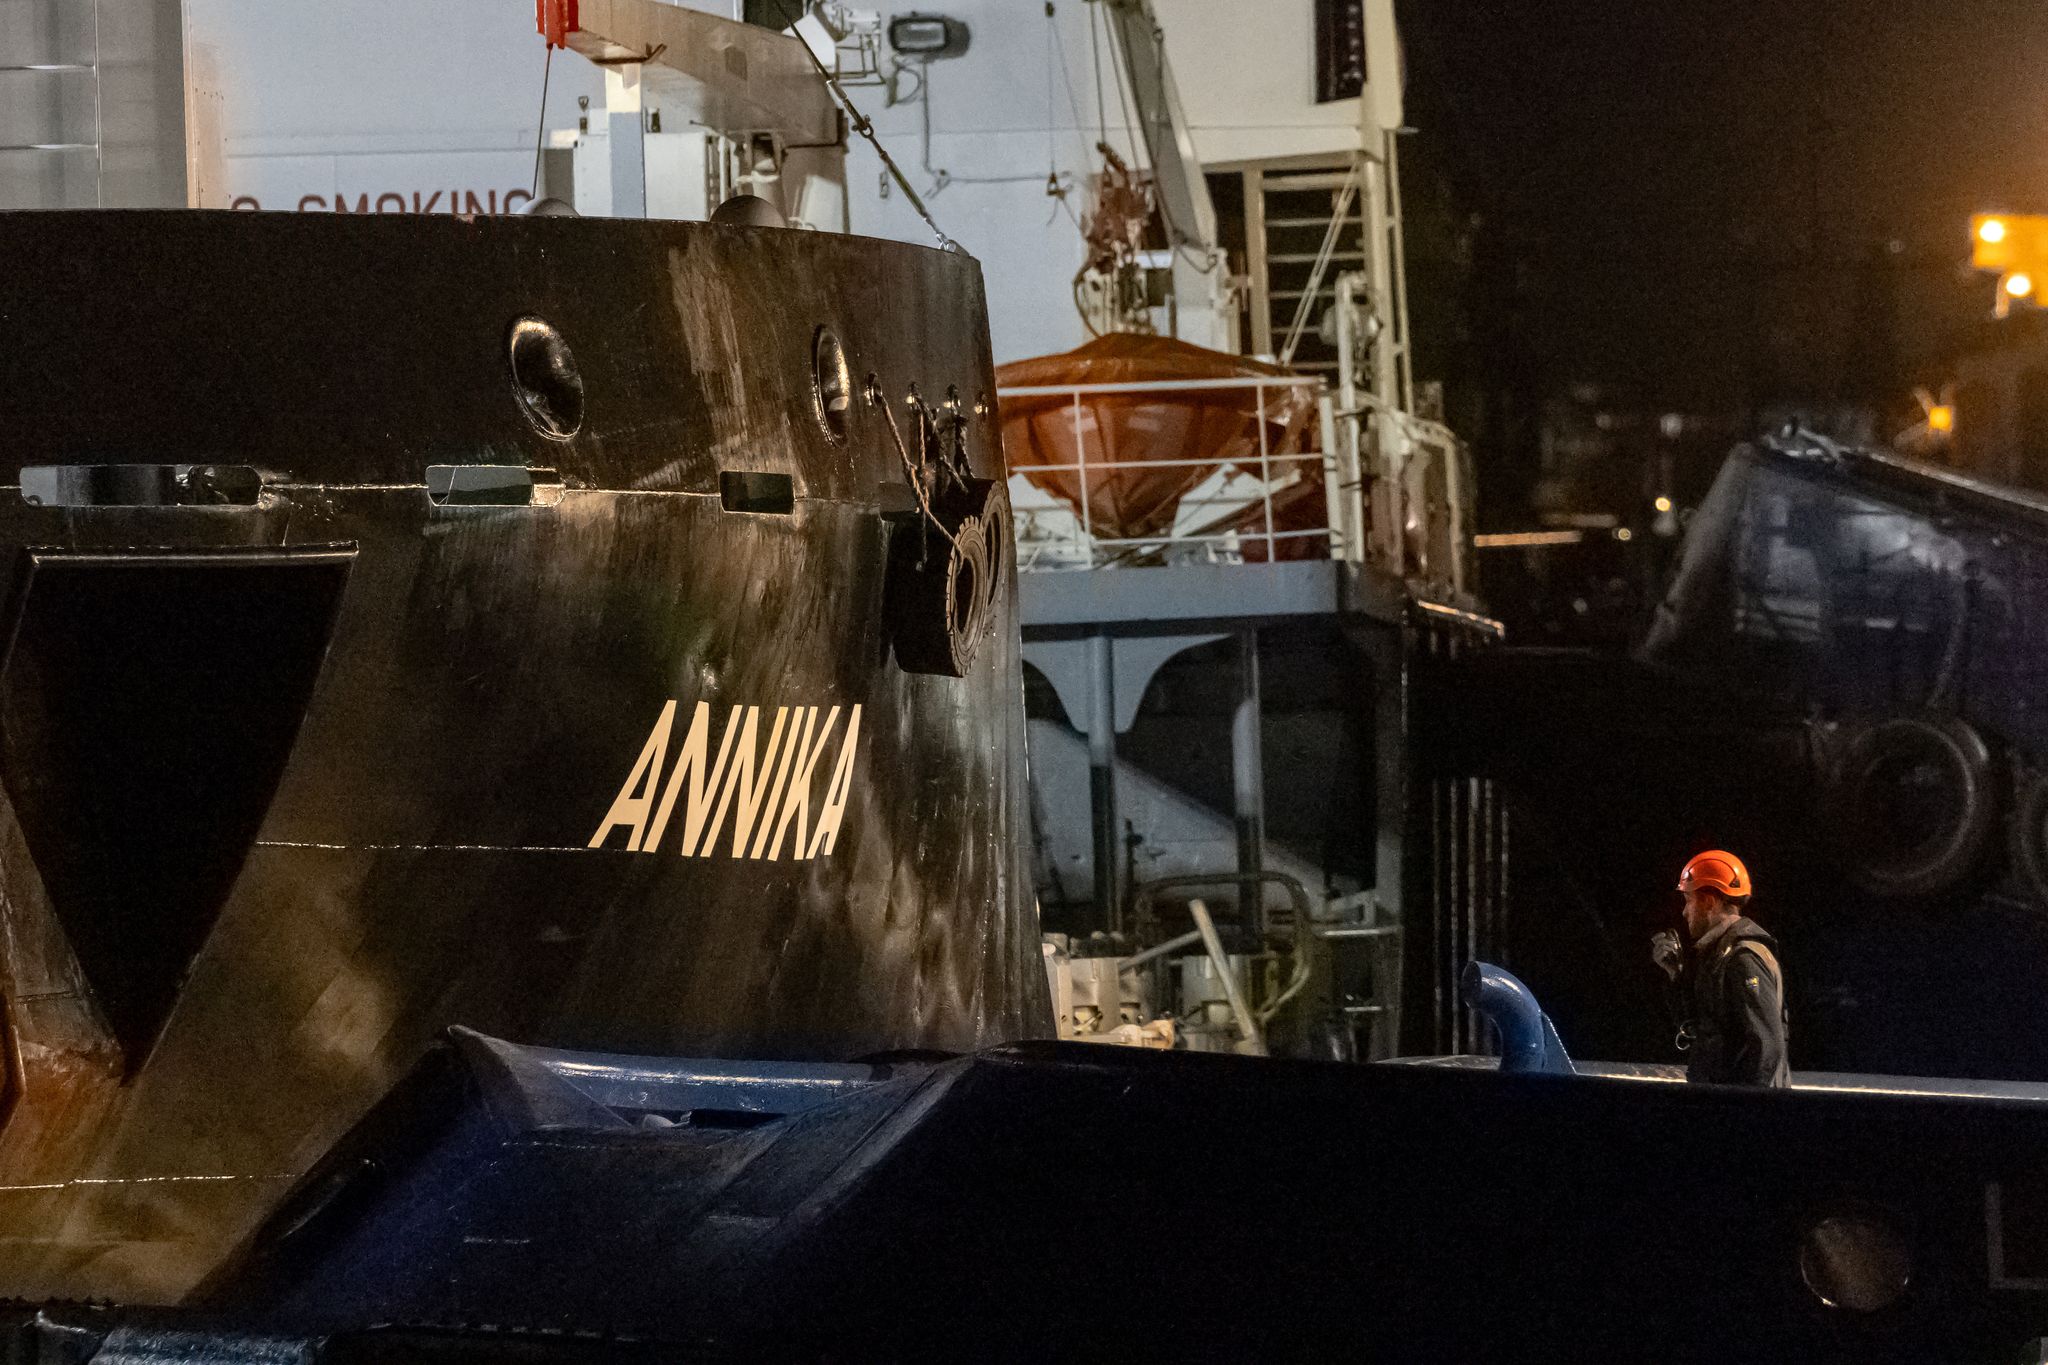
(768, 795)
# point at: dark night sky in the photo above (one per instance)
(1688, 189)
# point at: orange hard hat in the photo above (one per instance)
(1715, 870)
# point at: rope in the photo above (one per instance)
(912, 469)
(540, 133)
(1067, 79)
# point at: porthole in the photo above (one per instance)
(831, 383)
(545, 379)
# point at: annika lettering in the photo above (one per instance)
(767, 794)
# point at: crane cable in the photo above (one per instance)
(1136, 125)
(860, 124)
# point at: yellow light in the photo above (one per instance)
(1509, 540)
(2019, 284)
(2006, 242)
(1623, 533)
(1663, 504)
(1941, 417)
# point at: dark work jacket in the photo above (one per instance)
(1738, 1007)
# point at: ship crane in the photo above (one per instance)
(758, 92)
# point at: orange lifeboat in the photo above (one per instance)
(1129, 454)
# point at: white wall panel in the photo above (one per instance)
(398, 101)
(381, 97)
(1246, 72)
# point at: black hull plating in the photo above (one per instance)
(504, 1204)
(492, 677)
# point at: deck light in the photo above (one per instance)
(922, 37)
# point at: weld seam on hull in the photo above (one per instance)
(424, 848)
(141, 1180)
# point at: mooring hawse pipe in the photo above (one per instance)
(1528, 1041)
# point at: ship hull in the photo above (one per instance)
(297, 779)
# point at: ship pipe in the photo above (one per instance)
(1254, 1041)
(1137, 960)
(1529, 1044)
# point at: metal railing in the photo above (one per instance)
(1396, 491)
(1058, 535)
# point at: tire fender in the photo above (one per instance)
(1912, 803)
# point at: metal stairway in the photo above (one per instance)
(1291, 214)
(1306, 226)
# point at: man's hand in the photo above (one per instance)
(1667, 953)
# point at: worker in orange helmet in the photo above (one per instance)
(1729, 969)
